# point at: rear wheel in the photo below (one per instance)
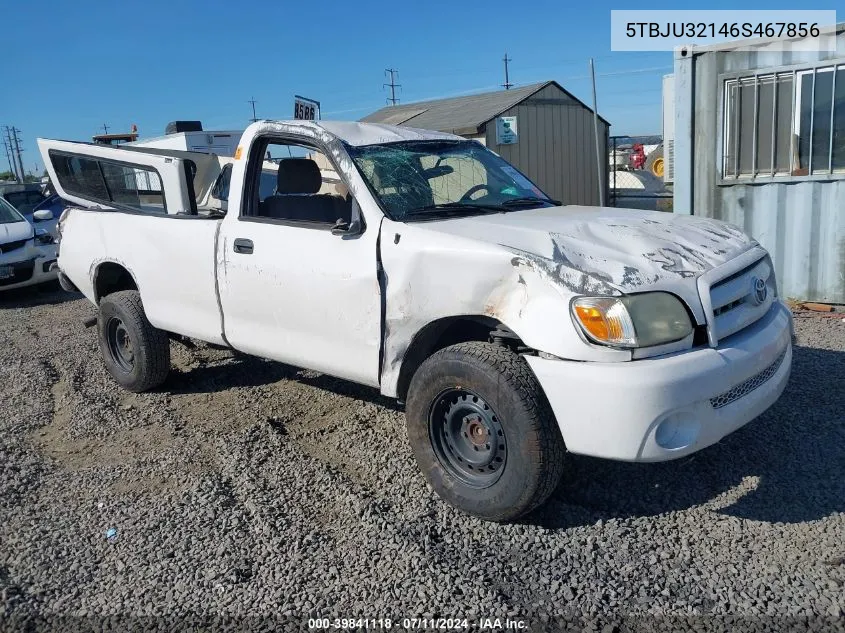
(483, 432)
(136, 354)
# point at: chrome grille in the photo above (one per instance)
(727, 308)
(747, 386)
(736, 303)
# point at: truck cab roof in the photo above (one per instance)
(356, 133)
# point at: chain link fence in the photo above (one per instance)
(632, 183)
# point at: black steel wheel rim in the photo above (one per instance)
(467, 437)
(120, 344)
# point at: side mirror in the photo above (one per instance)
(342, 227)
(42, 215)
(354, 226)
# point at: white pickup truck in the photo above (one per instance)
(420, 263)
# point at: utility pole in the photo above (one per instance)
(12, 170)
(105, 128)
(599, 160)
(18, 151)
(393, 85)
(253, 102)
(507, 85)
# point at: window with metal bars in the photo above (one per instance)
(785, 123)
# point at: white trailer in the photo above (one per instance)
(222, 143)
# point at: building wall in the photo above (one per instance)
(557, 147)
(800, 220)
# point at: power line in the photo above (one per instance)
(555, 65)
(393, 85)
(480, 89)
(349, 94)
(507, 85)
(253, 102)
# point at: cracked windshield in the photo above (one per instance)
(426, 180)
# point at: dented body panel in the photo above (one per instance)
(170, 259)
(356, 305)
(534, 263)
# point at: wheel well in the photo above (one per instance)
(111, 277)
(450, 331)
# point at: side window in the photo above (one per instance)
(221, 185)
(267, 185)
(134, 187)
(298, 183)
(138, 188)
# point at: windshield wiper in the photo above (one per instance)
(448, 209)
(529, 200)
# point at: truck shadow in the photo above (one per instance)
(786, 466)
(31, 296)
(250, 371)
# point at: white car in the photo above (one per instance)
(27, 255)
(424, 265)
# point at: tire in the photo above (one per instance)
(508, 479)
(654, 162)
(136, 354)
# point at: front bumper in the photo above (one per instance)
(29, 272)
(668, 407)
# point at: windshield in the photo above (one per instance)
(8, 214)
(25, 201)
(438, 179)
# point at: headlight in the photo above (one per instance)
(644, 320)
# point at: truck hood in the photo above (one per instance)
(607, 251)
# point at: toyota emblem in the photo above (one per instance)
(759, 290)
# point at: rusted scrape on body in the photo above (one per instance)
(92, 269)
(683, 261)
(558, 273)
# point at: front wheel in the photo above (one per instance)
(136, 354)
(483, 432)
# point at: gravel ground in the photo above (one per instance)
(249, 493)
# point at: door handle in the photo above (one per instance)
(243, 246)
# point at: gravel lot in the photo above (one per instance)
(246, 488)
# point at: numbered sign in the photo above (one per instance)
(306, 109)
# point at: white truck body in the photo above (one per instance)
(357, 305)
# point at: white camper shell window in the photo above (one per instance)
(113, 183)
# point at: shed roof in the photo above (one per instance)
(462, 115)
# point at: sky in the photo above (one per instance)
(73, 66)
